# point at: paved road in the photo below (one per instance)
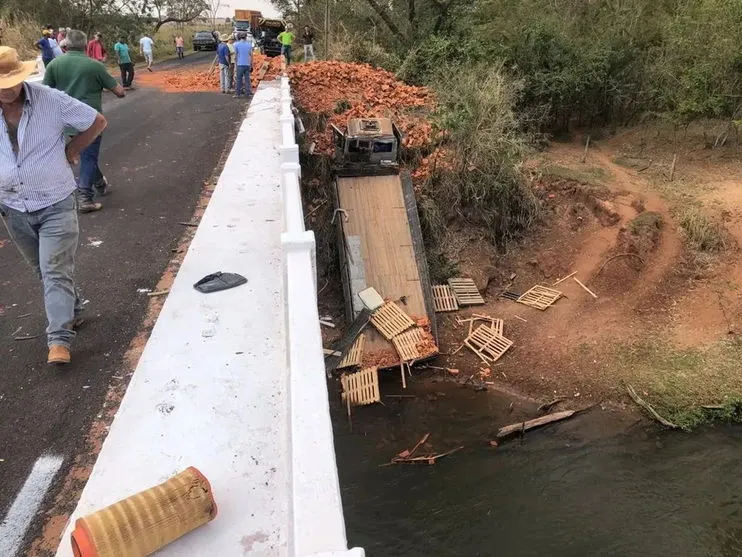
(158, 151)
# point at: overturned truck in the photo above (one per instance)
(380, 239)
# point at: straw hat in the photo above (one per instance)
(12, 70)
(224, 38)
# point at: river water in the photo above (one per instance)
(600, 484)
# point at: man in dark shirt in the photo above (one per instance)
(43, 44)
(225, 60)
(84, 79)
(308, 39)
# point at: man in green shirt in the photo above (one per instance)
(286, 38)
(125, 65)
(84, 79)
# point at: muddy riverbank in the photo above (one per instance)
(602, 484)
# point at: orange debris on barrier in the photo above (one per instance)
(343, 90)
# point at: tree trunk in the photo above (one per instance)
(382, 13)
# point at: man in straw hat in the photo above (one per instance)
(37, 187)
(224, 57)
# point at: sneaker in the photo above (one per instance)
(58, 354)
(102, 187)
(89, 206)
(149, 69)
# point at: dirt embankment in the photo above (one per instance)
(664, 319)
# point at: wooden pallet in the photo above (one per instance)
(540, 297)
(498, 327)
(406, 344)
(444, 298)
(487, 345)
(355, 354)
(361, 388)
(466, 292)
(389, 320)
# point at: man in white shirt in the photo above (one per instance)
(145, 47)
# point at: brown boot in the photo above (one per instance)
(58, 354)
(89, 206)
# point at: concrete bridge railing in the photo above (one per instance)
(318, 523)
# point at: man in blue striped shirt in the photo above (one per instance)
(37, 187)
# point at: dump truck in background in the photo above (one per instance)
(246, 21)
(380, 237)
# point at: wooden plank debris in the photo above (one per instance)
(406, 344)
(466, 292)
(444, 298)
(540, 297)
(344, 345)
(561, 280)
(532, 424)
(390, 320)
(585, 287)
(408, 455)
(488, 345)
(355, 355)
(361, 388)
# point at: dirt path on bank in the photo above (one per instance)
(653, 300)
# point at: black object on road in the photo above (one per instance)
(219, 281)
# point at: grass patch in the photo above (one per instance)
(485, 185)
(701, 233)
(646, 223)
(591, 175)
(679, 382)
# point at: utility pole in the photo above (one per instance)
(327, 29)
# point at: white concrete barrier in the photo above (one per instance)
(318, 523)
(233, 382)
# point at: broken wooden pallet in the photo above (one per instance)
(361, 388)
(540, 297)
(444, 298)
(486, 344)
(355, 354)
(466, 292)
(408, 345)
(390, 320)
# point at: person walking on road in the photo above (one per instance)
(225, 62)
(180, 47)
(37, 186)
(95, 49)
(308, 40)
(286, 38)
(125, 65)
(243, 54)
(43, 44)
(84, 79)
(146, 45)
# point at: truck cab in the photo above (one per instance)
(268, 36)
(370, 146)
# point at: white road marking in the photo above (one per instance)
(15, 524)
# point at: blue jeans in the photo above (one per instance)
(90, 174)
(243, 85)
(224, 77)
(286, 51)
(47, 239)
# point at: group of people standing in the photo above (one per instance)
(235, 64)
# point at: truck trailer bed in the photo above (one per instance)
(381, 246)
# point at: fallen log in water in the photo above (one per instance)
(533, 424)
(651, 411)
